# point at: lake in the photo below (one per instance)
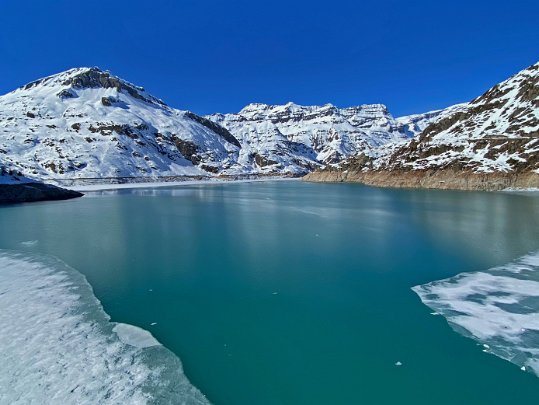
(285, 292)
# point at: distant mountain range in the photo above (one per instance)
(299, 138)
(87, 123)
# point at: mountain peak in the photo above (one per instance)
(92, 78)
(58, 78)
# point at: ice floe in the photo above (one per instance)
(498, 307)
(135, 336)
(58, 346)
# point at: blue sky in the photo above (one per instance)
(210, 56)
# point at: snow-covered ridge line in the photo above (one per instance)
(91, 77)
(496, 132)
(86, 122)
(309, 137)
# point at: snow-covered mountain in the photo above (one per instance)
(87, 123)
(489, 143)
(498, 131)
(299, 138)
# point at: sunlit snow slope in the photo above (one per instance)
(86, 123)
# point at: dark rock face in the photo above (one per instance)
(66, 93)
(189, 150)
(107, 101)
(96, 78)
(262, 161)
(108, 129)
(30, 192)
(210, 169)
(218, 129)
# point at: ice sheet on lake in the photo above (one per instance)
(498, 307)
(58, 346)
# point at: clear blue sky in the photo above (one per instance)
(210, 56)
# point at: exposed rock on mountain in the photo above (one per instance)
(490, 143)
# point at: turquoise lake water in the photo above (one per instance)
(294, 293)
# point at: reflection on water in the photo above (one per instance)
(293, 293)
(500, 225)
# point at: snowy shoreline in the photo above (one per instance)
(158, 184)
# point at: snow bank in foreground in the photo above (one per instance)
(498, 307)
(58, 346)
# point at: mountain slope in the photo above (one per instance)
(86, 123)
(490, 143)
(413, 125)
(299, 138)
(498, 131)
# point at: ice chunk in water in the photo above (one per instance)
(498, 307)
(134, 336)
